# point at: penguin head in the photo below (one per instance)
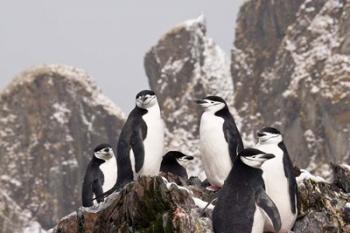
(103, 152)
(269, 135)
(146, 99)
(212, 103)
(171, 156)
(253, 157)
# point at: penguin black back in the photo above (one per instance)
(92, 180)
(133, 132)
(95, 179)
(232, 135)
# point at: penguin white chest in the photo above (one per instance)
(277, 185)
(153, 143)
(109, 170)
(258, 221)
(214, 149)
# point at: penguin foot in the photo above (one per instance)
(213, 188)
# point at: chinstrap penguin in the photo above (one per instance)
(220, 140)
(170, 163)
(279, 178)
(141, 143)
(100, 175)
(243, 205)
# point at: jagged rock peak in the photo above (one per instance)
(185, 65)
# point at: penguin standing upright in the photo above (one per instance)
(220, 141)
(243, 205)
(283, 191)
(170, 163)
(100, 175)
(141, 142)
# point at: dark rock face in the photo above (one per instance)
(291, 70)
(148, 205)
(341, 176)
(186, 65)
(51, 117)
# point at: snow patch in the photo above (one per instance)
(61, 114)
(305, 175)
(202, 204)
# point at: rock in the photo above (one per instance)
(291, 70)
(341, 176)
(183, 66)
(51, 118)
(324, 207)
(147, 205)
(153, 204)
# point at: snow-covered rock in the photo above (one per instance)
(183, 66)
(291, 70)
(51, 118)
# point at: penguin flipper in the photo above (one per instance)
(233, 138)
(138, 149)
(87, 194)
(288, 171)
(268, 206)
(97, 189)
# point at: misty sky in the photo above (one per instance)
(107, 38)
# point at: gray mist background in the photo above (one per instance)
(107, 38)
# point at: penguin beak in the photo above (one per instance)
(260, 134)
(188, 157)
(201, 101)
(268, 156)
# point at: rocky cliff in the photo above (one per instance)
(51, 117)
(290, 68)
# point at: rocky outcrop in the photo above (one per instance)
(51, 117)
(150, 205)
(290, 68)
(160, 205)
(183, 66)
